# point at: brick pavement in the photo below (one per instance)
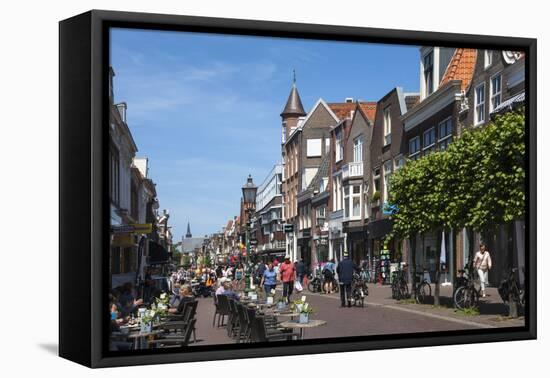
(381, 315)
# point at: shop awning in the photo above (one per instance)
(510, 104)
(158, 254)
(379, 228)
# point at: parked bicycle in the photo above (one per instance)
(399, 287)
(423, 290)
(315, 283)
(510, 289)
(466, 294)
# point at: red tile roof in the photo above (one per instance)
(368, 109)
(461, 67)
(342, 109)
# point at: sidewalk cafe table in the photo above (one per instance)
(281, 314)
(302, 326)
(140, 338)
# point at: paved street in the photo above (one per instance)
(381, 315)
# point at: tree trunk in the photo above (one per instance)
(513, 306)
(413, 263)
(437, 271)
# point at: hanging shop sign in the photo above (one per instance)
(135, 228)
(287, 228)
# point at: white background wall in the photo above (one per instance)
(28, 87)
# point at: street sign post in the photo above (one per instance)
(288, 228)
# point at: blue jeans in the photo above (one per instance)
(268, 288)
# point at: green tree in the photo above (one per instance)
(478, 183)
(418, 190)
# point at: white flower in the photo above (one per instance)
(163, 296)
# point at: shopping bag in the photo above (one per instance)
(298, 286)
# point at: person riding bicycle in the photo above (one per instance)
(328, 274)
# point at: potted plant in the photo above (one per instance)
(146, 324)
(305, 311)
(161, 307)
(281, 303)
(297, 305)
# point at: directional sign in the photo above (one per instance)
(253, 242)
(288, 228)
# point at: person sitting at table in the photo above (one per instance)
(186, 295)
(128, 301)
(174, 299)
(269, 279)
(228, 291)
(223, 286)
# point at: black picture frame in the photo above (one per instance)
(83, 211)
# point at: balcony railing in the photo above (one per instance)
(352, 169)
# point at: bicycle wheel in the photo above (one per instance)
(471, 298)
(311, 286)
(465, 297)
(404, 291)
(423, 292)
(394, 291)
(459, 298)
(335, 286)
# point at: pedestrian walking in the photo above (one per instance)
(288, 275)
(483, 263)
(269, 279)
(300, 271)
(345, 271)
(328, 274)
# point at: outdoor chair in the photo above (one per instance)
(243, 322)
(222, 310)
(233, 321)
(182, 340)
(261, 334)
(190, 310)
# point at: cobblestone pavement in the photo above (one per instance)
(381, 315)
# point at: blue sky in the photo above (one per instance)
(205, 108)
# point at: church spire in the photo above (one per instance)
(188, 234)
(293, 105)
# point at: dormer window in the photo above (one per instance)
(387, 126)
(339, 146)
(488, 58)
(429, 73)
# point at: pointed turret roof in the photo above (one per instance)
(294, 103)
(188, 234)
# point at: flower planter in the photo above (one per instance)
(146, 327)
(304, 318)
(281, 305)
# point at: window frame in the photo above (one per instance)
(428, 90)
(499, 93)
(386, 114)
(358, 144)
(432, 144)
(479, 104)
(418, 150)
(487, 59)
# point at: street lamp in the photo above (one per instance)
(249, 201)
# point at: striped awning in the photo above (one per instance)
(510, 104)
